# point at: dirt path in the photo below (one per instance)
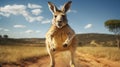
(62, 60)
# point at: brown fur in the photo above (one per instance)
(60, 37)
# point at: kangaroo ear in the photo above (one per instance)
(66, 6)
(52, 7)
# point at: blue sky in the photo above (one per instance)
(32, 18)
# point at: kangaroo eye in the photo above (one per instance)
(55, 16)
(63, 15)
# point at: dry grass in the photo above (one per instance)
(16, 53)
(111, 53)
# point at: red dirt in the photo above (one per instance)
(62, 60)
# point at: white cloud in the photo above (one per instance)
(46, 21)
(33, 19)
(13, 9)
(6, 30)
(19, 26)
(34, 6)
(37, 31)
(88, 26)
(9, 10)
(5, 14)
(29, 31)
(36, 11)
(32, 31)
(3, 29)
(72, 11)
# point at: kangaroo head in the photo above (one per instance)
(59, 16)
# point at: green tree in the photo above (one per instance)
(114, 26)
(0, 36)
(5, 36)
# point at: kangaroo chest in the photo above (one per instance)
(60, 36)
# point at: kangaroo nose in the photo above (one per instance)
(59, 23)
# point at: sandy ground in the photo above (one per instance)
(62, 60)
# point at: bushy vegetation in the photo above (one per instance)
(94, 39)
(23, 41)
(114, 26)
(90, 39)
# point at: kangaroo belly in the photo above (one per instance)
(59, 38)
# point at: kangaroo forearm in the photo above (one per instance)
(69, 39)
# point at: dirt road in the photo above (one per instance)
(62, 60)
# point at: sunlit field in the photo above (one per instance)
(110, 53)
(17, 53)
(10, 54)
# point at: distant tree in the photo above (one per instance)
(114, 26)
(0, 39)
(0, 36)
(5, 36)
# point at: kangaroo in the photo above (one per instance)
(60, 36)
